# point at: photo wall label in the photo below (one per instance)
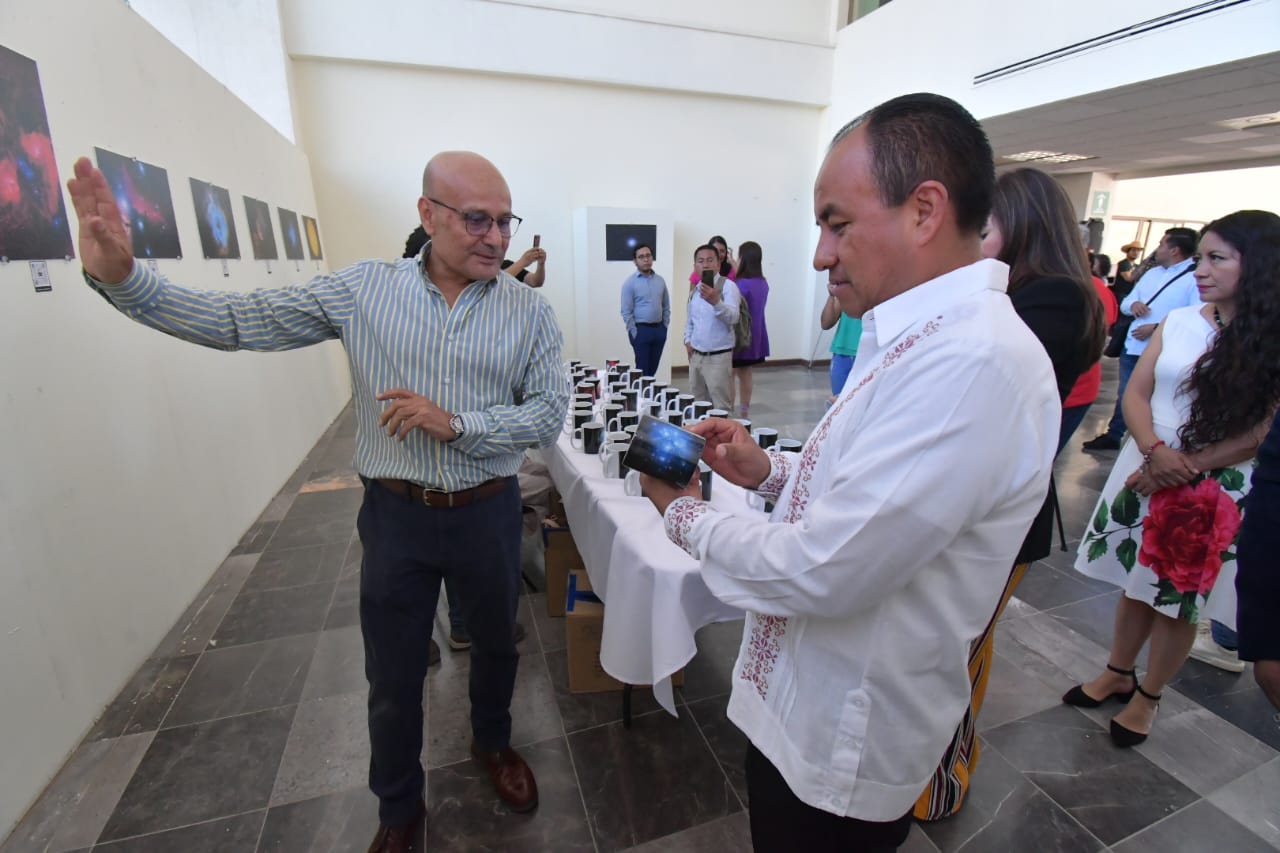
(289, 233)
(142, 194)
(313, 237)
(33, 214)
(620, 241)
(213, 218)
(262, 234)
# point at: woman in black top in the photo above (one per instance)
(1032, 228)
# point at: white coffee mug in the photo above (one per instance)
(611, 458)
(631, 484)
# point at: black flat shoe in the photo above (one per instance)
(1126, 738)
(1077, 697)
(1102, 442)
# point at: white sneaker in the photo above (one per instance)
(1205, 650)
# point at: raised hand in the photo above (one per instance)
(105, 248)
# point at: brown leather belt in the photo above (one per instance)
(444, 500)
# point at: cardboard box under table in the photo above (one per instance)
(561, 558)
(583, 628)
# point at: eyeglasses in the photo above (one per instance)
(478, 224)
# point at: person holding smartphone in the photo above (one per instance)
(708, 331)
(535, 257)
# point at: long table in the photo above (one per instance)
(654, 595)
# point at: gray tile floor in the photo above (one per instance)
(246, 730)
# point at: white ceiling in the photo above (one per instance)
(1160, 126)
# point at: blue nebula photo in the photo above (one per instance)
(620, 241)
(291, 234)
(665, 451)
(213, 218)
(142, 194)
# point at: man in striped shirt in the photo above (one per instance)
(441, 346)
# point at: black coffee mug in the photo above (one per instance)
(592, 433)
(630, 399)
(704, 471)
(766, 437)
(675, 418)
(789, 445)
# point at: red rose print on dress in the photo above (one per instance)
(1185, 532)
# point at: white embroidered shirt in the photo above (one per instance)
(894, 532)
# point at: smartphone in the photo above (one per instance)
(537, 240)
(709, 278)
(667, 452)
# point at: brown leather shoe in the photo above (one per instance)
(401, 839)
(511, 777)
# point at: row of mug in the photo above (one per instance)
(590, 435)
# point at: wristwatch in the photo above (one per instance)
(455, 424)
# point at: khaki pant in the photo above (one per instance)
(711, 378)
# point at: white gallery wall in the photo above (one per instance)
(132, 463)
(721, 165)
(1198, 196)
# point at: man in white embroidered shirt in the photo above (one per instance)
(895, 527)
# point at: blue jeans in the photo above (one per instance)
(840, 367)
(1071, 419)
(1223, 636)
(1116, 428)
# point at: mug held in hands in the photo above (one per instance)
(665, 452)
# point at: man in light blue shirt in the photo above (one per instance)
(708, 332)
(646, 310)
(441, 347)
(1170, 285)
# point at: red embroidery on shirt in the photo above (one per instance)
(763, 650)
(773, 484)
(813, 447)
(681, 515)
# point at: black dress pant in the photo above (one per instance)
(782, 823)
(408, 548)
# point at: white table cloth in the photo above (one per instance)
(655, 599)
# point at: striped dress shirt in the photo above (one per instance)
(499, 344)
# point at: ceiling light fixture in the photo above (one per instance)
(1047, 157)
(1251, 122)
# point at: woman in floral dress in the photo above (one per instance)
(1197, 406)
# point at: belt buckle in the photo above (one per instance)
(426, 500)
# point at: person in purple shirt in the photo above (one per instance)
(755, 293)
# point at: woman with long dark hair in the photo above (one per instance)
(1032, 228)
(728, 267)
(755, 295)
(1197, 406)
